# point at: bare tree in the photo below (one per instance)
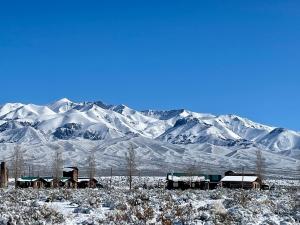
(91, 167)
(18, 163)
(131, 164)
(57, 166)
(260, 165)
(111, 175)
(192, 172)
(298, 170)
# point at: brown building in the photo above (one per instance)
(245, 182)
(69, 180)
(71, 172)
(197, 181)
(3, 175)
(84, 182)
(48, 182)
(33, 182)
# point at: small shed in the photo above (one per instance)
(84, 182)
(245, 182)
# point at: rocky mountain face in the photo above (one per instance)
(162, 139)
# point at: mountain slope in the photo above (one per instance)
(172, 138)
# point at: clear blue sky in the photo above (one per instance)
(240, 57)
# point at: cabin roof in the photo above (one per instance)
(210, 177)
(69, 169)
(25, 179)
(186, 178)
(85, 179)
(239, 178)
(65, 179)
(47, 179)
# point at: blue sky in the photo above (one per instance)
(239, 57)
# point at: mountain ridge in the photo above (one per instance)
(86, 125)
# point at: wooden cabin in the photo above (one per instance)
(244, 181)
(45, 182)
(84, 182)
(69, 180)
(30, 182)
(3, 175)
(185, 181)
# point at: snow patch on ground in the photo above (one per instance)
(149, 203)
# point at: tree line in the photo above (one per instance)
(130, 166)
(57, 164)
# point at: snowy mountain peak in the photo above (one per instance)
(62, 105)
(168, 135)
(123, 109)
(102, 105)
(64, 100)
(8, 107)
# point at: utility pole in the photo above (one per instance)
(111, 174)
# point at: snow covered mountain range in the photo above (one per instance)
(162, 139)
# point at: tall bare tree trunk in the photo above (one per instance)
(192, 172)
(18, 163)
(260, 166)
(111, 175)
(91, 168)
(57, 166)
(131, 164)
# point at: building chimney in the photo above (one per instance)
(3, 175)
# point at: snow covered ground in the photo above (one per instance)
(115, 204)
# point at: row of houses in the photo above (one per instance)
(207, 182)
(69, 179)
(50, 182)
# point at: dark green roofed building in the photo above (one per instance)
(197, 181)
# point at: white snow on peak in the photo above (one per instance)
(8, 107)
(62, 105)
(63, 100)
(158, 135)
